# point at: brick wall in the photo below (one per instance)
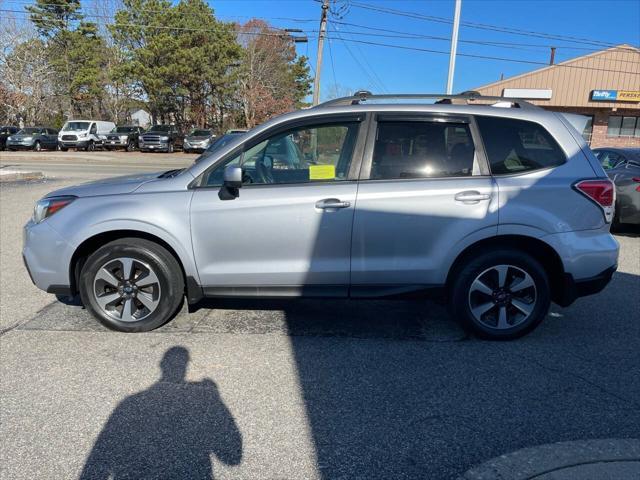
(599, 136)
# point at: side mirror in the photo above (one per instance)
(232, 181)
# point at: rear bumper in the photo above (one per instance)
(574, 289)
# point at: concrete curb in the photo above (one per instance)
(582, 460)
(14, 175)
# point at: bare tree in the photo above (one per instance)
(25, 74)
(266, 77)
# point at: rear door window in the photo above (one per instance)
(419, 149)
(517, 146)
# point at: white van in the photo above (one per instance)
(84, 134)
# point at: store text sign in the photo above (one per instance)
(615, 96)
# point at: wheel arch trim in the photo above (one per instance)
(105, 235)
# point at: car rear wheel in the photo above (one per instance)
(132, 285)
(500, 295)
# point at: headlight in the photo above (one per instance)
(164, 139)
(10, 138)
(82, 135)
(123, 138)
(48, 206)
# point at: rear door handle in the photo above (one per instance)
(332, 203)
(471, 196)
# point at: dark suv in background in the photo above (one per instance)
(33, 138)
(161, 138)
(123, 137)
(5, 131)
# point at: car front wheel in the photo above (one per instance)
(132, 285)
(500, 295)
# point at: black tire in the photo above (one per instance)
(461, 285)
(163, 264)
(170, 148)
(130, 146)
(186, 150)
(37, 146)
(62, 149)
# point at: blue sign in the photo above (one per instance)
(604, 95)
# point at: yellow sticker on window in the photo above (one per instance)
(322, 172)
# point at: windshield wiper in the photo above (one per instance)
(171, 173)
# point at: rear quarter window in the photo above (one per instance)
(517, 146)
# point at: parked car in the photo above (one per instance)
(123, 137)
(219, 143)
(5, 132)
(34, 138)
(198, 140)
(161, 138)
(623, 167)
(84, 134)
(374, 200)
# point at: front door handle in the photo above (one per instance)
(471, 196)
(328, 203)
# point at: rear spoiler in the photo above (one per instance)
(577, 121)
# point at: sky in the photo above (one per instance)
(349, 65)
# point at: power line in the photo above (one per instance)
(403, 34)
(28, 3)
(280, 32)
(483, 26)
(366, 62)
(333, 68)
(372, 81)
(485, 57)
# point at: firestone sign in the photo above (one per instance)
(615, 96)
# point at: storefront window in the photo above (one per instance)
(619, 126)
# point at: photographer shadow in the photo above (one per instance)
(170, 430)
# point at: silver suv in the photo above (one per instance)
(497, 203)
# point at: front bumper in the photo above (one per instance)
(155, 147)
(116, 143)
(20, 144)
(73, 144)
(46, 257)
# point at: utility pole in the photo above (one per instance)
(323, 29)
(552, 60)
(454, 46)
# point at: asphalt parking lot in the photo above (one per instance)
(298, 390)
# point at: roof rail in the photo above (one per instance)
(469, 97)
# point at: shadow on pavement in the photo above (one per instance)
(169, 430)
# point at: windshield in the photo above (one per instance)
(200, 133)
(28, 131)
(76, 126)
(222, 141)
(123, 130)
(160, 128)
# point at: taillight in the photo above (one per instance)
(637, 180)
(600, 191)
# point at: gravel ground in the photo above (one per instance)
(313, 389)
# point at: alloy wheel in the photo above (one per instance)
(502, 297)
(126, 289)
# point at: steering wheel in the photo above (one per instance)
(264, 169)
